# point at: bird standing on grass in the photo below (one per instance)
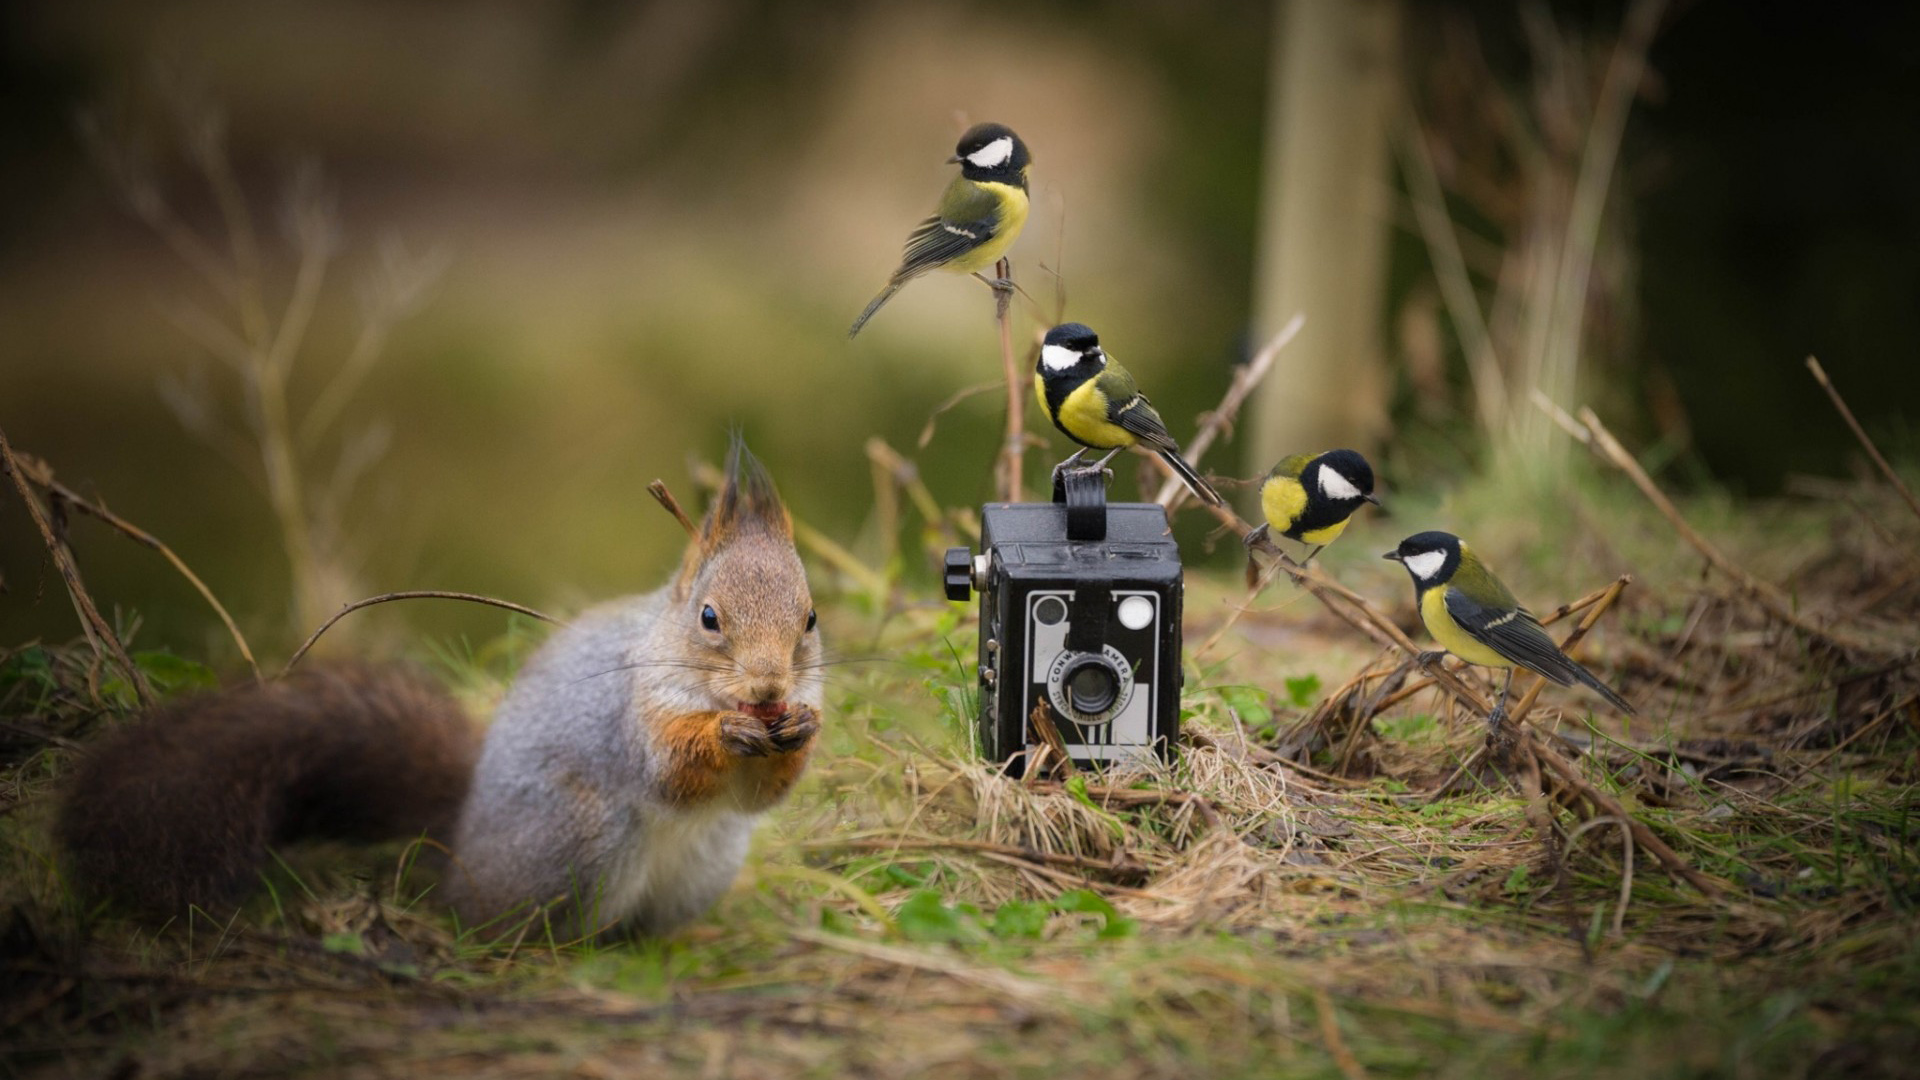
(1310, 497)
(978, 218)
(1091, 398)
(1472, 614)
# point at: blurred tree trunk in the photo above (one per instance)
(1324, 225)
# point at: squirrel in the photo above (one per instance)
(617, 786)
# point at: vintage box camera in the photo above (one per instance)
(1080, 607)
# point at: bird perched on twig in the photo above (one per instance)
(1093, 400)
(1472, 614)
(1311, 497)
(978, 218)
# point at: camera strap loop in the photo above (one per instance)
(1085, 493)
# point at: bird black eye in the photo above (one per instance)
(812, 618)
(710, 619)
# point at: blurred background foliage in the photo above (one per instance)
(621, 228)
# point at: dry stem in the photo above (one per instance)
(1820, 376)
(1607, 804)
(412, 594)
(658, 489)
(41, 474)
(1766, 594)
(1017, 389)
(99, 632)
(1245, 378)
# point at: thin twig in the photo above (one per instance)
(1245, 378)
(1626, 861)
(98, 631)
(1013, 450)
(958, 396)
(1125, 797)
(1041, 720)
(1607, 804)
(1337, 1048)
(1450, 270)
(1025, 854)
(1767, 595)
(1801, 774)
(1820, 376)
(411, 594)
(40, 473)
(663, 496)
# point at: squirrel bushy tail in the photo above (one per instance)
(181, 807)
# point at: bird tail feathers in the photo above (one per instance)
(1200, 488)
(1593, 682)
(886, 294)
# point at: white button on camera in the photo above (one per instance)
(1136, 612)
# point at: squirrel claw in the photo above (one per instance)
(794, 729)
(746, 736)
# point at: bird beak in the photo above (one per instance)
(1372, 499)
(954, 160)
(1394, 555)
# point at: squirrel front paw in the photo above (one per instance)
(794, 728)
(746, 736)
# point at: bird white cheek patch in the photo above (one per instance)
(1336, 486)
(1426, 564)
(1058, 357)
(993, 154)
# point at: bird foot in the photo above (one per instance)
(1070, 468)
(1428, 658)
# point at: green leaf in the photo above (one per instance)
(1020, 919)
(926, 917)
(1249, 702)
(344, 941)
(1087, 902)
(1516, 881)
(170, 674)
(1302, 691)
(900, 874)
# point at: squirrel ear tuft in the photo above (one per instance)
(747, 502)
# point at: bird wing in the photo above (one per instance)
(1292, 466)
(969, 216)
(1130, 409)
(1513, 632)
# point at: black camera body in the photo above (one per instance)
(1080, 609)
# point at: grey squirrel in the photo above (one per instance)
(618, 784)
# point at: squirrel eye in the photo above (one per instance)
(812, 618)
(710, 619)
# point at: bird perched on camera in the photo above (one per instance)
(1472, 614)
(978, 218)
(1310, 497)
(1094, 401)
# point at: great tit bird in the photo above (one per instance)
(1472, 614)
(1310, 497)
(978, 218)
(1094, 401)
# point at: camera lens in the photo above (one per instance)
(1092, 685)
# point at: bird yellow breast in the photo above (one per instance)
(1283, 500)
(1084, 415)
(1451, 635)
(1013, 218)
(1326, 535)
